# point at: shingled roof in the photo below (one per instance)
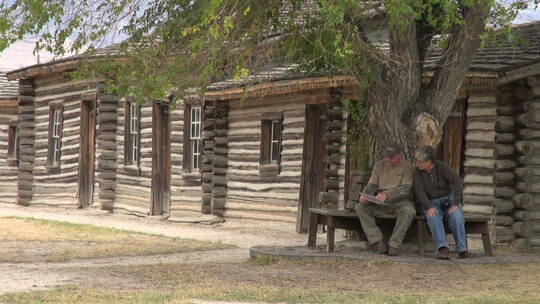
(8, 89)
(504, 56)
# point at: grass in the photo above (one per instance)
(313, 281)
(83, 295)
(28, 239)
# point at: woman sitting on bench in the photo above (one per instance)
(439, 190)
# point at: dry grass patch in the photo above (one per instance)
(314, 281)
(33, 240)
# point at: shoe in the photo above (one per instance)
(443, 253)
(380, 247)
(463, 255)
(392, 251)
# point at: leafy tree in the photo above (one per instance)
(182, 44)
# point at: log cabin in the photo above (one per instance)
(271, 146)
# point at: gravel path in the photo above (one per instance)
(244, 234)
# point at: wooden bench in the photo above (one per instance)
(349, 220)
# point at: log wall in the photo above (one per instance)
(133, 185)
(26, 141)
(185, 188)
(525, 227)
(106, 151)
(249, 194)
(479, 165)
(56, 189)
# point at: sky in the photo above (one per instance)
(21, 54)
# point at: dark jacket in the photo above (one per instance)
(441, 181)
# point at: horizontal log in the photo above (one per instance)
(504, 125)
(530, 187)
(206, 187)
(528, 119)
(504, 206)
(505, 165)
(528, 174)
(479, 163)
(527, 201)
(529, 134)
(504, 151)
(481, 136)
(503, 234)
(522, 215)
(522, 229)
(219, 181)
(505, 192)
(208, 135)
(528, 160)
(507, 110)
(504, 177)
(505, 138)
(219, 171)
(218, 205)
(477, 209)
(502, 220)
(219, 192)
(206, 209)
(484, 111)
(221, 151)
(331, 184)
(523, 92)
(220, 141)
(527, 147)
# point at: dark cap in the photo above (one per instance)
(392, 149)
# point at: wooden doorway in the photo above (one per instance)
(313, 164)
(87, 150)
(161, 159)
(451, 148)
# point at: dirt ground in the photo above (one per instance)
(203, 268)
(244, 234)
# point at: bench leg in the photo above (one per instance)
(420, 236)
(330, 239)
(312, 229)
(330, 235)
(488, 250)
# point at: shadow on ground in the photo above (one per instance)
(361, 254)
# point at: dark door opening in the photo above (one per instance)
(161, 159)
(313, 164)
(87, 150)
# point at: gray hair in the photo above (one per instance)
(425, 153)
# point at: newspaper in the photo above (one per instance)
(373, 199)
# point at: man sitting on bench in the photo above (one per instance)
(391, 184)
(439, 190)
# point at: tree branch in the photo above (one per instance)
(452, 67)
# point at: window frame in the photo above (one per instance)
(270, 141)
(192, 138)
(56, 123)
(132, 133)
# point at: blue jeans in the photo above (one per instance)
(455, 221)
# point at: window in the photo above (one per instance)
(132, 134)
(192, 136)
(13, 143)
(55, 135)
(271, 127)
